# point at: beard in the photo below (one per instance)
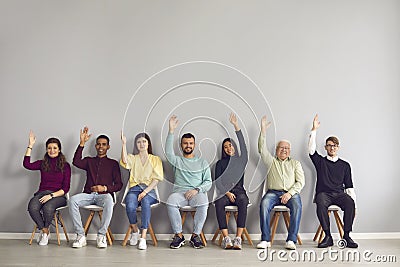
(187, 152)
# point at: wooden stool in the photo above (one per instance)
(58, 220)
(320, 233)
(285, 211)
(139, 209)
(93, 209)
(229, 210)
(184, 210)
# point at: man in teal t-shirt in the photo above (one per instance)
(192, 181)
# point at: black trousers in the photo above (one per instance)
(42, 214)
(343, 200)
(241, 202)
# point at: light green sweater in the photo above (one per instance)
(287, 175)
(190, 173)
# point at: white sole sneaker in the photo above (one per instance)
(264, 245)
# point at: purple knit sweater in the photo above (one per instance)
(52, 180)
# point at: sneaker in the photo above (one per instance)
(177, 241)
(237, 243)
(79, 242)
(39, 237)
(44, 239)
(142, 244)
(264, 244)
(226, 243)
(134, 239)
(101, 241)
(290, 245)
(195, 241)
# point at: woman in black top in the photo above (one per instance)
(229, 177)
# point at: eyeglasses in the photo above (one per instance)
(283, 148)
(332, 146)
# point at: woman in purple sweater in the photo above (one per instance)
(55, 174)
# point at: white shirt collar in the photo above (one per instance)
(334, 159)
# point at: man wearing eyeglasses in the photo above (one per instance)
(334, 186)
(285, 179)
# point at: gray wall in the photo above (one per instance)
(67, 64)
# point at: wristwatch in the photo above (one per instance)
(198, 189)
(52, 195)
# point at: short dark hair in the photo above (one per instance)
(188, 135)
(223, 153)
(146, 136)
(333, 139)
(103, 136)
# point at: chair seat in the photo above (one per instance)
(334, 208)
(139, 208)
(235, 208)
(61, 208)
(281, 208)
(93, 208)
(188, 208)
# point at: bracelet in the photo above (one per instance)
(29, 148)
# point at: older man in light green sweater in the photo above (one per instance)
(192, 181)
(285, 179)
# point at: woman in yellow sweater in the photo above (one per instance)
(146, 171)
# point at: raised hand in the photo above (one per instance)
(264, 124)
(32, 139)
(233, 119)
(316, 123)
(123, 138)
(173, 123)
(84, 135)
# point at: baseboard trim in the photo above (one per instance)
(304, 236)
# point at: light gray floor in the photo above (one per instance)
(20, 253)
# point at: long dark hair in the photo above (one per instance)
(146, 136)
(60, 158)
(223, 153)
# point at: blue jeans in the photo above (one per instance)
(83, 199)
(268, 202)
(131, 201)
(177, 200)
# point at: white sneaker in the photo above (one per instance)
(226, 243)
(134, 239)
(237, 243)
(79, 242)
(44, 239)
(142, 244)
(39, 237)
(290, 245)
(264, 244)
(101, 241)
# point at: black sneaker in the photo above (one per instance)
(195, 241)
(177, 241)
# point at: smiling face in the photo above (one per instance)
(142, 144)
(331, 148)
(229, 148)
(187, 145)
(101, 147)
(283, 150)
(53, 150)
